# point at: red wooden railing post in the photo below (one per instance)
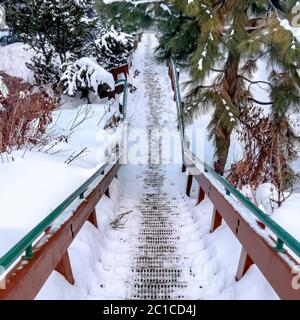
(64, 268)
(201, 195)
(244, 264)
(93, 218)
(189, 185)
(216, 220)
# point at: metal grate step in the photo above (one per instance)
(168, 224)
(157, 250)
(162, 291)
(158, 241)
(157, 274)
(157, 262)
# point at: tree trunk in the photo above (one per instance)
(85, 94)
(231, 85)
(223, 152)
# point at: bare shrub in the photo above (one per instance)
(25, 114)
(269, 147)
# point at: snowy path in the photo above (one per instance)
(156, 263)
(157, 272)
(172, 254)
(163, 248)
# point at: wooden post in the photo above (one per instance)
(244, 264)
(216, 220)
(189, 185)
(64, 268)
(201, 195)
(93, 218)
(261, 225)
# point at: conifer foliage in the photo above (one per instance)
(179, 32)
(235, 39)
(60, 24)
(113, 48)
(55, 29)
(127, 15)
(226, 43)
(85, 75)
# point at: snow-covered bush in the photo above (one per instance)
(113, 48)
(85, 75)
(45, 66)
(269, 148)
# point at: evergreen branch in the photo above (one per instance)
(255, 82)
(263, 103)
(217, 70)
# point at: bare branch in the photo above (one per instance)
(263, 103)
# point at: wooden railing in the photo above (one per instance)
(276, 256)
(29, 263)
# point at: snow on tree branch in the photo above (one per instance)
(114, 48)
(84, 74)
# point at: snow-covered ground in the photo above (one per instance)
(38, 179)
(13, 61)
(101, 259)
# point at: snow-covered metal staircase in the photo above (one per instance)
(157, 270)
(157, 266)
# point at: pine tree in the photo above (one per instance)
(178, 32)
(53, 28)
(113, 48)
(127, 16)
(234, 37)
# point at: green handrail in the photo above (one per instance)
(283, 237)
(26, 243)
